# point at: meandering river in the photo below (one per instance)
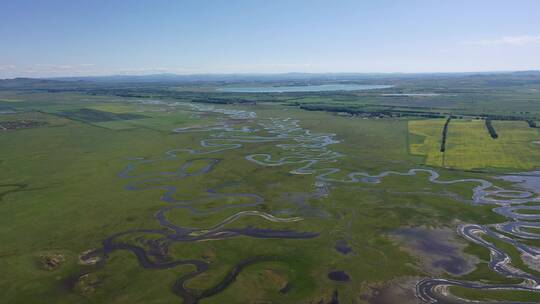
(311, 154)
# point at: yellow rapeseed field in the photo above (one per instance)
(469, 145)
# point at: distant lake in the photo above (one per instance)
(306, 88)
(413, 94)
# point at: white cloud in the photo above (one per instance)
(7, 67)
(53, 67)
(517, 40)
(54, 70)
(203, 69)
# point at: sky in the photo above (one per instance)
(119, 37)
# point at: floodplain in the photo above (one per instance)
(150, 195)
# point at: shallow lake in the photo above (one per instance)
(306, 88)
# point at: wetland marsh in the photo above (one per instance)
(172, 200)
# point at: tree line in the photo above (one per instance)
(491, 129)
(371, 113)
(444, 134)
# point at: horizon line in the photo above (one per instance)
(266, 74)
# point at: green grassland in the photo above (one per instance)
(71, 199)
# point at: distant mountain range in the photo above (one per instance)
(225, 77)
(164, 80)
(273, 77)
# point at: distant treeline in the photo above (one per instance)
(491, 129)
(501, 117)
(224, 100)
(373, 113)
(199, 97)
(91, 115)
(444, 134)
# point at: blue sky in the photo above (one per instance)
(98, 37)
